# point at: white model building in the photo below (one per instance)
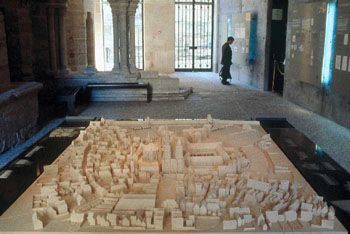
(180, 176)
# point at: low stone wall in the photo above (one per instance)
(19, 111)
(163, 87)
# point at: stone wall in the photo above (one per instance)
(18, 101)
(13, 39)
(255, 74)
(18, 113)
(26, 40)
(20, 33)
(76, 35)
(303, 76)
(159, 41)
(4, 68)
(40, 47)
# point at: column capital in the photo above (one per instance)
(133, 7)
(133, 4)
(119, 5)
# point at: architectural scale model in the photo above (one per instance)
(200, 175)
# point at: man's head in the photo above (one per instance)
(230, 40)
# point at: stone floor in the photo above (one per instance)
(235, 102)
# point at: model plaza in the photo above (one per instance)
(174, 116)
(201, 175)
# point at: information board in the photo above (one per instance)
(307, 41)
(341, 74)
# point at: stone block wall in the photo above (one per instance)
(4, 68)
(41, 53)
(26, 40)
(255, 74)
(159, 39)
(76, 35)
(13, 39)
(18, 113)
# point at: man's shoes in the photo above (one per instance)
(225, 82)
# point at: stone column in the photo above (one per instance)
(123, 29)
(52, 38)
(90, 44)
(115, 13)
(63, 41)
(131, 24)
(4, 67)
(26, 39)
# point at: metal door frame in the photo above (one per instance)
(194, 3)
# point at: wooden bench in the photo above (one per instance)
(123, 86)
(69, 96)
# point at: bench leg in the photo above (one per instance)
(71, 107)
(149, 93)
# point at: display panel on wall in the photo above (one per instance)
(307, 41)
(243, 30)
(341, 74)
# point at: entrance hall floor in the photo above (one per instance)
(235, 102)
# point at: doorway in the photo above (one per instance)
(194, 35)
(104, 40)
(278, 45)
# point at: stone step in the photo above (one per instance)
(117, 95)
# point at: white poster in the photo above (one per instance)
(240, 33)
(338, 62)
(344, 66)
(306, 24)
(346, 39)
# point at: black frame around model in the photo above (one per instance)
(194, 3)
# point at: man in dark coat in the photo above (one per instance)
(226, 61)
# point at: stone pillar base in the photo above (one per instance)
(63, 72)
(90, 71)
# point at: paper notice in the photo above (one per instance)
(338, 62)
(344, 66)
(346, 39)
(301, 48)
